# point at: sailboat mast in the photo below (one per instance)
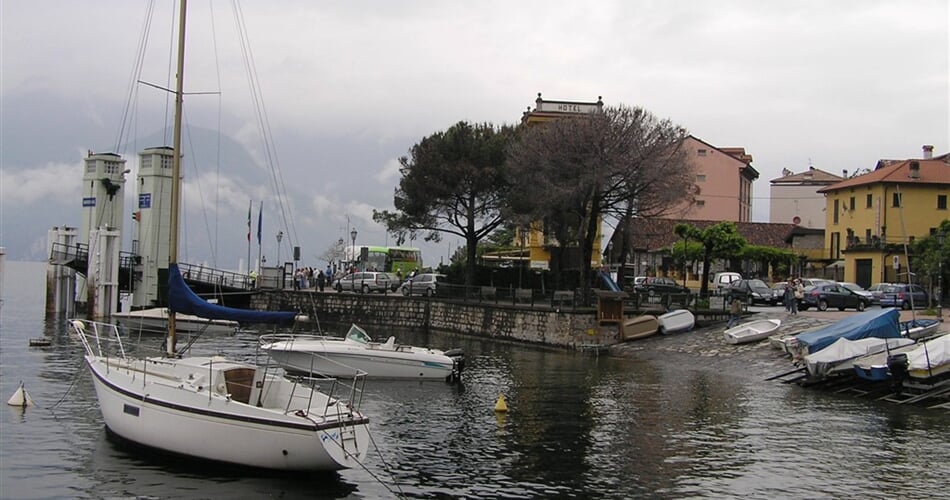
(176, 167)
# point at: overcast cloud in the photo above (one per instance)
(351, 86)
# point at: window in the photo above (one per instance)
(701, 152)
(702, 178)
(867, 235)
(941, 202)
(868, 201)
(896, 200)
(835, 216)
(700, 203)
(851, 203)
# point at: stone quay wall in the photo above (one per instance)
(523, 323)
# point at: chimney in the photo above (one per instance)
(844, 173)
(928, 151)
(915, 170)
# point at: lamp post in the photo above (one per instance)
(353, 238)
(280, 236)
(940, 276)
(522, 259)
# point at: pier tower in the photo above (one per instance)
(103, 183)
(151, 220)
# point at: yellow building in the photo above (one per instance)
(869, 218)
(536, 241)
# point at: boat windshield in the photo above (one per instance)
(357, 334)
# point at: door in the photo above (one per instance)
(862, 269)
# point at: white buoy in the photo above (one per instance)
(20, 398)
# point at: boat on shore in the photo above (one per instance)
(840, 355)
(919, 328)
(752, 331)
(881, 323)
(641, 327)
(680, 320)
(358, 353)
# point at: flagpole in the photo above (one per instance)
(260, 217)
(249, 204)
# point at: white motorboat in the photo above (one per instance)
(335, 356)
(208, 407)
(752, 331)
(840, 355)
(155, 320)
(680, 320)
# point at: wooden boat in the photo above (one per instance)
(680, 320)
(751, 331)
(640, 327)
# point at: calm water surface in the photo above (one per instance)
(578, 427)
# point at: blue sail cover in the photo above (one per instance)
(182, 299)
(880, 323)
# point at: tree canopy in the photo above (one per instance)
(721, 240)
(570, 172)
(452, 182)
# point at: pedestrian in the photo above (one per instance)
(321, 280)
(735, 309)
(789, 296)
(798, 294)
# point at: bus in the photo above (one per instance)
(388, 259)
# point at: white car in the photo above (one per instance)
(423, 284)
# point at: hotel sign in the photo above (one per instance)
(568, 107)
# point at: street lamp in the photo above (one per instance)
(353, 238)
(940, 276)
(280, 236)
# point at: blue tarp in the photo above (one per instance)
(880, 323)
(182, 299)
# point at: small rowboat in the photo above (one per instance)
(679, 320)
(640, 327)
(752, 331)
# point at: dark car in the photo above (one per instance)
(751, 292)
(904, 296)
(661, 286)
(778, 292)
(827, 295)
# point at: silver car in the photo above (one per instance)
(423, 284)
(364, 282)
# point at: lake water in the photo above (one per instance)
(578, 427)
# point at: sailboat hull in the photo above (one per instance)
(170, 405)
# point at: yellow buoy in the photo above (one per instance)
(500, 406)
(20, 398)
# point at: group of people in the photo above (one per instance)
(794, 291)
(308, 277)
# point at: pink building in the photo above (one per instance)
(722, 188)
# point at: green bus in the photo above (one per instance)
(389, 259)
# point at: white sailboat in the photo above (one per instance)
(212, 408)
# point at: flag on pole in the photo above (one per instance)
(249, 221)
(260, 215)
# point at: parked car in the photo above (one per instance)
(630, 283)
(877, 290)
(750, 292)
(661, 286)
(427, 284)
(903, 295)
(778, 292)
(365, 282)
(858, 289)
(807, 282)
(825, 295)
(723, 280)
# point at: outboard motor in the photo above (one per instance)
(458, 364)
(897, 365)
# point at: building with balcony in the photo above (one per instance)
(870, 218)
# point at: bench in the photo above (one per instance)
(487, 292)
(562, 297)
(523, 295)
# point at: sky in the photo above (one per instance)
(348, 87)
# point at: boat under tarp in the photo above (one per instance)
(881, 323)
(836, 356)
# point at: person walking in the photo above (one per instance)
(735, 309)
(789, 296)
(798, 294)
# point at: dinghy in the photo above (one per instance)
(752, 331)
(680, 320)
(640, 327)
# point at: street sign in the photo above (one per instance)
(897, 262)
